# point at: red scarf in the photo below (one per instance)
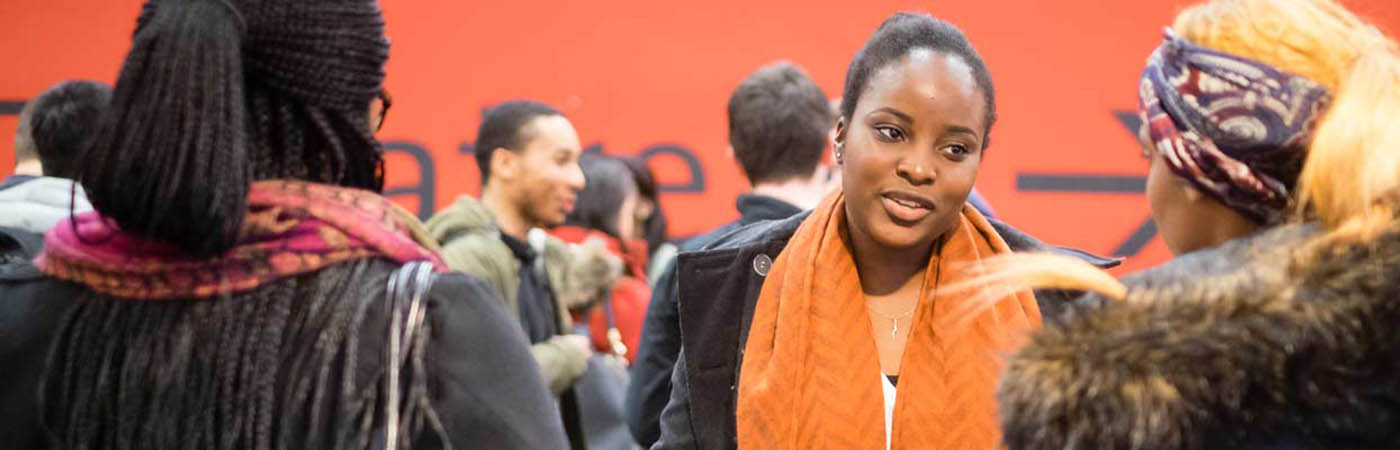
(292, 228)
(632, 252)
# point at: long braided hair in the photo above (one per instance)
(213, 95)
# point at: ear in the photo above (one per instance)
(729, 152)
(505, 164)
(838, 133)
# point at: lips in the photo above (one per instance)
(568, 203)
(906, 207)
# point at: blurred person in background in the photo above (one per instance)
(232, 287)
(838, 318)
(778, 123)
(650, 219)
(605, 212)
(528, 154)
(1275, 152)
(54, 127)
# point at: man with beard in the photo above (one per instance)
(528, 154)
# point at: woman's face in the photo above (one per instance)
(1167, 201)
(645, 208)
(911, 149)
(626, 219)
(1187, 219)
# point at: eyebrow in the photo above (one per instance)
(959, 129)
(908, 118)
(894, 112)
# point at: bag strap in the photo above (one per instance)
(614, 336)
(405, 288)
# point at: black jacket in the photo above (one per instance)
(650, 386)
(482, 380)
(17, 246)
(720, 284)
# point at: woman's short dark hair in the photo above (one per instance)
(503, 126)
(903, 33)
(608, 183)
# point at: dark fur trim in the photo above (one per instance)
(1260, 343)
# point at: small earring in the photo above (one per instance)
(838, 153)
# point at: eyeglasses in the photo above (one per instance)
(384, 103)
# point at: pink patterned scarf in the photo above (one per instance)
(292, 228)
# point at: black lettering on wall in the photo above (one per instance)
(1100, 184)
(426, 189)
(1113, 184)
(697, 173)
(11, 107)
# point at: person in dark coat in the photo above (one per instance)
(1282, 335)
(792, 330)
(778, 123)
(53, 129)
(232, 288)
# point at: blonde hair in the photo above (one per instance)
(1351, 178)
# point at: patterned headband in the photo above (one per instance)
(1238, 129)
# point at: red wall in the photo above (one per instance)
(638, 74)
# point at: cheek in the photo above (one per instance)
(1167, 202)
(625, 224)
(540, 197)
(958, 179)
(1159, 189)
(540, 181)
(539, 167)
(864, 170)
(550, 172)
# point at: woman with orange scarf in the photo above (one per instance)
(828, 330)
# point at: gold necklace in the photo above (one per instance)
(937, 276)
(894, 321)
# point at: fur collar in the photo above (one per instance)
(1259, 343)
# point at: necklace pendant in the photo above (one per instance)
(894, 328)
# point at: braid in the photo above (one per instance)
(260, 113)
(293, 142)
(310, 143)
(169, 159)
(283, 366)
(271, 340)
(335, 150)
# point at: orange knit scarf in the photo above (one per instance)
(810, 373)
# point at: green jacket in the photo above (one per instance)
(471, 243)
